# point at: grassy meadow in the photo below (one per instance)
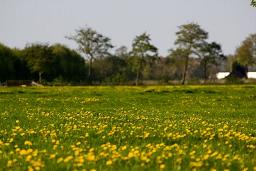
(128, 128)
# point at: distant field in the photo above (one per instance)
(128, 128)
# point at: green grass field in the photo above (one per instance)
(128, 128)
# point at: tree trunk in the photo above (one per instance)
(205, 72)
(185, 71)
(137, 76)
(40, 77)
(137, 79)
(90, 71)
(138, 73)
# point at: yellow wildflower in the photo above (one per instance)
(29, 143)
(162, 166)
(109, 162)
(67, 159)
(90, 157)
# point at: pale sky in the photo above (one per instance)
(228, 22)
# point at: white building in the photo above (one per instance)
(251, 75)
(221, 75)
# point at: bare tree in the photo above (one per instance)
(92, 44)
(190, 39)
(142, 49)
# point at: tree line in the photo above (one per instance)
(194, 58)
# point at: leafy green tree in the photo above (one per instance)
(110, 69)
(122, 52)
(210, 55)
(7, 63)
(12, 66)
(21, 67)
(190, 38)
(142, 51)
(246, 53)
(163, 69)
(253, 3)
(178, 59)
(92, 44)
(229, 62)
(38, 58)
(238, 72)
(67, 64)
